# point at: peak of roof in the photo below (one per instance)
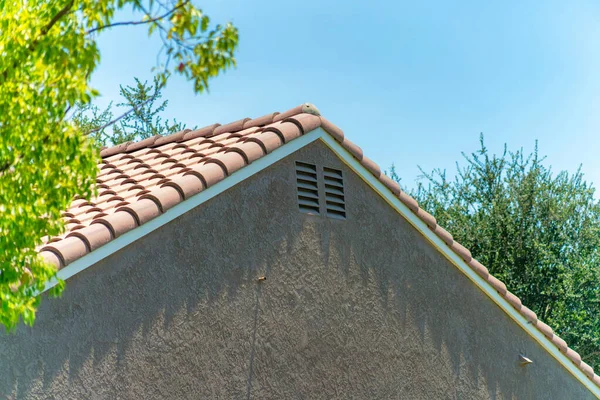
(142, 180)
(209, 131)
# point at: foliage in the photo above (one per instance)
(87, 117)
(49, 51)
(143, 120)
(536, 231)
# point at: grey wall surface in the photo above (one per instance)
(358, 309)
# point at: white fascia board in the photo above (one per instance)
(129, 237)
(441, 246)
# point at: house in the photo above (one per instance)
(269, 258)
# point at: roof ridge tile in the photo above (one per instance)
(231, 127)
(142, 144)
(260, 121)
(291, 112)
(174, 137)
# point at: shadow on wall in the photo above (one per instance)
(358, 308)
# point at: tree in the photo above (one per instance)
(536, 231)
(88, 118)
(49, 52)
(143, 121)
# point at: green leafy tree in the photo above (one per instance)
(143, 119)
(537, 231)
(49, 51)
(89, 118)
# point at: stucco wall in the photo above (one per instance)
(363, 308)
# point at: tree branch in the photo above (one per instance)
(57, 17)
(64, 11)
(138, 22)
(157, 92)
(120, 116)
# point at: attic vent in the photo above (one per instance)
(334, 193)
(308, 191)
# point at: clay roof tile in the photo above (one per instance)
(202, 132)
(174, 137)
(231, 127)
(260, 121)
(94, 235)
(68, 250)
(165, 196)
(306, 122)
(114, 150)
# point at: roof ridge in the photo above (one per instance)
(208, 131)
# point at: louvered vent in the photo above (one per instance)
(308, 191)
(334, 193)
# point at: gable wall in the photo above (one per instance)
(361, 308)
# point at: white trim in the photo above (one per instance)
(185, 206)
(284, 151)
(422, 227)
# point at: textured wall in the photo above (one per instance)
(363, 308)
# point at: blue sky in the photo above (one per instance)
(412, 83)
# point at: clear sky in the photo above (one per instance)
(412, 83)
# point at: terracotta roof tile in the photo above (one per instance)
(390, 184)
(573, 356)
(428, 218)
(333, 130)
(52, 258)
(202, 132)
(479, 268)
(529, 315)
(139, 181)
(231, 127)
(173, 138)
(561, 344)
(68, 250)
(462, 251)
(94, 236)
(587, 370)
(353, 149)
(188, 185)
(294, 111)
(260, 121)
(438, 230)
(117, 222)
(269, 141)
(371, 166)
(545, 329)
(497, 284)
(165, 197)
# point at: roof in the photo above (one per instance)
(140, 181)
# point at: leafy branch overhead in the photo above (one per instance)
(49, 52)
(143, 119)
